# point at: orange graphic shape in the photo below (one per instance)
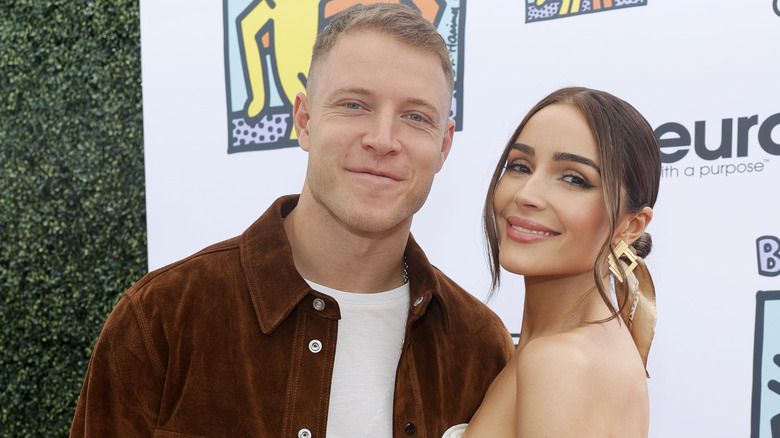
(266, 40)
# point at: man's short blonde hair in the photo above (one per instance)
(395, 20)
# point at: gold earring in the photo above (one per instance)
(622, 249)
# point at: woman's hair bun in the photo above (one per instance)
(643, 245)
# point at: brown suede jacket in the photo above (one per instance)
(217, 345)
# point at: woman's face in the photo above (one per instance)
(549, 208)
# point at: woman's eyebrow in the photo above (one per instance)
(565, 156)
(559, 156)
(523, 148)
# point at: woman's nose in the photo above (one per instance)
(532, 192)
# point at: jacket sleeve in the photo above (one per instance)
(123, 386)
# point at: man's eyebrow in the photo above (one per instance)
(565, 156)
(429, 108)
(423, 102)
(351, 90)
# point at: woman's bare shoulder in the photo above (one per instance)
(565, 382)
(572, 351)
(587, 349)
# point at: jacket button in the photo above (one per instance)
(304, 433)
(318, 304)
(418, 301)
(410, 429)
(315, 346)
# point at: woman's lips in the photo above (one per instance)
(527, 231)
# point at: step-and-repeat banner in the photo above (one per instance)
(219, 79)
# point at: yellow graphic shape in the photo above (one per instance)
(573, 6)
(291, 26)
(289, 29)
(566, 4)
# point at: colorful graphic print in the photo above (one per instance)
(765, 421)
(267, 52)
(539, 10)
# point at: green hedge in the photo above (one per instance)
(72, 213)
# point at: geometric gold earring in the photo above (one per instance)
(622, 249)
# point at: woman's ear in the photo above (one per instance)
(631, 226)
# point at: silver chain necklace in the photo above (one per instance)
(406, 271)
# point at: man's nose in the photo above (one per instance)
(382, 134)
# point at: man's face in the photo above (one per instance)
(377, 129)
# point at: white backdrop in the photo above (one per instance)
(693, 63)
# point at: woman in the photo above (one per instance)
(568, 206)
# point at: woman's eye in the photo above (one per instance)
(518, 167)
(578, 181)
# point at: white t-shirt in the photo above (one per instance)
(455, 431)
(370, 338)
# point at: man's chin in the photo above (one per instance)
(376, 224)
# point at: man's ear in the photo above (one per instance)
(632, 226)
(446, 144)
(301, 116)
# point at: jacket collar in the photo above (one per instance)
(276, 287)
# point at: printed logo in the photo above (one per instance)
(267, 53)
(539, 10)
(768, 248)
(776, 7)
(765, 417)
(751, 133)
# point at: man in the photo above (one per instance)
(323, 317)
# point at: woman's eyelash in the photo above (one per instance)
(573, 179)
(577, 180)
(517, 167)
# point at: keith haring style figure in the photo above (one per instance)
(268, 48)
